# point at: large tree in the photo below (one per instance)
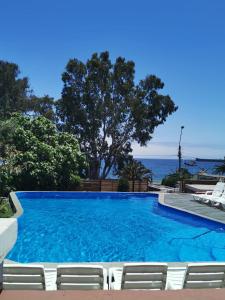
(106, 110)
(15, 95)
(13, 89)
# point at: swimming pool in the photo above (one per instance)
(109, 227)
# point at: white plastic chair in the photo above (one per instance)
(204, 275)
(81, 277)
(23, 277)
(139, 276)
(219, 201)
(209, 196)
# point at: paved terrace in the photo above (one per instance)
(202, 294)
(185, 202)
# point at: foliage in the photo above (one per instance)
(41, 106)
(220, 169)
(35, 156)
(15, 95)
(107, 111)
(123, 185)
(135, 170)
(5, 208)
(173, 178)
(13, 90)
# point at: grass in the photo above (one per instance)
(5, 208)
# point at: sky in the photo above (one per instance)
(182, 42)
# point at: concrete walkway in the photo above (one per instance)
(186, 202)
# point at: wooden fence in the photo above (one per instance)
(111, 185)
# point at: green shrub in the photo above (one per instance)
(75, 182)
(5, 208)
(123, 185)
(172, 179)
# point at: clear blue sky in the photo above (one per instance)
(182, 42)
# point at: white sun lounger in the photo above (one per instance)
(204, 275)
(81, 277)
(139, 276)
(210, 195)
(219, 201)
(23, 277)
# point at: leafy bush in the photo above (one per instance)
(5, 208)
(75, 182)
(172, 179)
(123, 185)
(35, 156)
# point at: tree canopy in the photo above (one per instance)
(13, 90)
(35, 156)
(41, 106)
(16, 96)
(106, 110)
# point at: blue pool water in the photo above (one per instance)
(106, 227)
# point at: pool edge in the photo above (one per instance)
(161, 201)
(16, 206)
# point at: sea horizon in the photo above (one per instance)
(166, 166)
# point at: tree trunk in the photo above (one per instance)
(94, 169)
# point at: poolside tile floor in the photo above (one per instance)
(185, 202)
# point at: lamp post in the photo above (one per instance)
(179, 159)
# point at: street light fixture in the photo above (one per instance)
(180, 157)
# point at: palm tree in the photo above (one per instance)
(135, 170)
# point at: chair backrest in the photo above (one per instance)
(211, 275)
(144, 276)
(218, 189)
(80, 277)
(19, 277)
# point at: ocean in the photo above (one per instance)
(163, 167)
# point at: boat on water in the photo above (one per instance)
(190, 163)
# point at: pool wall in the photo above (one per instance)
(15, 205)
